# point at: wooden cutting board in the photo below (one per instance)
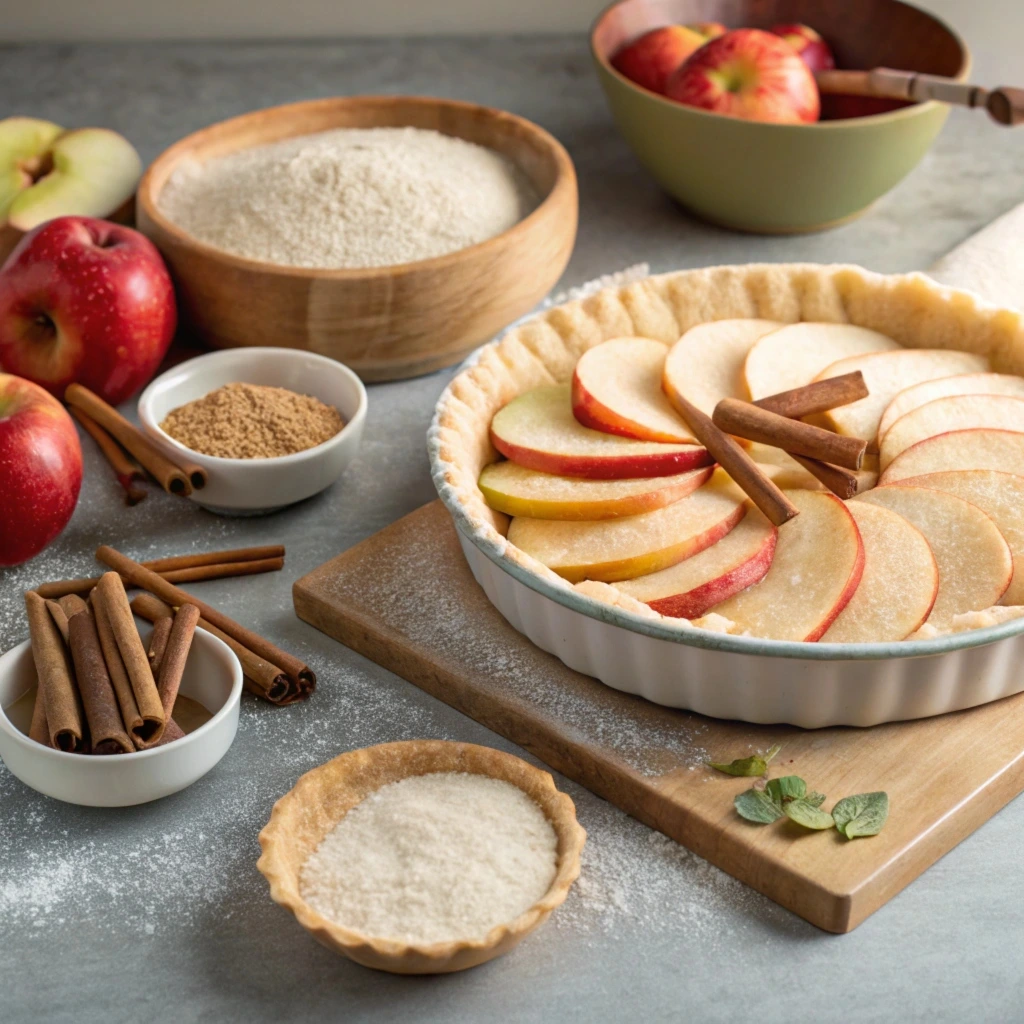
(406, 599)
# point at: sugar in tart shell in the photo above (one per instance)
(599, 631)
(323, 796)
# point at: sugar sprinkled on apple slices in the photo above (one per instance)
(616, 387)
(944, 387)
(691, 587)
(899, 583)
(958, 412)
(1001, 497)
(538, 430)
(886, 374)
(977, 448)
(518, 491)
(975, 566)
(621, 549)
(818, 563)
(794, 355)
(706, 364)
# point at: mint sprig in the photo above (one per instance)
(861, 815)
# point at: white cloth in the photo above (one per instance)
(990, 263)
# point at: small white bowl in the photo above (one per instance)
(213, 677)
(253, 486)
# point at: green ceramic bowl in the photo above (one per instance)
(773, 178)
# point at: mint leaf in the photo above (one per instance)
(861, 815)
(803, 812)
(814, 798)
(748, 767)
(755, 805)
(789, 787)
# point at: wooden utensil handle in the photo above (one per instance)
(1006, 105)
(901, 85)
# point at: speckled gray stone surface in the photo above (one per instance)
(158, 912)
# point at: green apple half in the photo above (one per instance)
(46, 172)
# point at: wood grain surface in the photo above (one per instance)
(406, 599)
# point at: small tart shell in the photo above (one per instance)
(323, 796)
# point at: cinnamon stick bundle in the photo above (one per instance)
(97, 692)
(819, 396)
(297, 671)
(110, 595)
(261, 677)
(126, 469)
(138, 728)
(64, 719)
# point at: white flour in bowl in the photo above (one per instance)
(349, 198)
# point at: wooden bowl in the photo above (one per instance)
(782, 178)
(383, 322)
(322, 797)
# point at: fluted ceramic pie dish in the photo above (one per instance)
(633, 649)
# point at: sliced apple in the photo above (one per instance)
(689, 588)
(959, 449)
(518, 491)
(93, 173)
(621, 549)
(944, 387)
(958, 412)
(975, 565)
(794, 355)
(818, 563)
(538, 430)
(1001, 497)
(706, 364)
(616, 387)
(24, 143)
(886, 374)
(899, 584)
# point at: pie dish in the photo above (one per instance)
(602, 631)
(322, 797)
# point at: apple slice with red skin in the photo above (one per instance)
(819, 559)
(518, 491)
(899, 583)
(975, 565)
(40, 469)
(622, 549)
(693, 586)
(538, 430)
(958, 412)
(978, 448)
(1001, 497)
(616, 387)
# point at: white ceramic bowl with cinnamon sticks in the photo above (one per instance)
(212, 677)
(253, 486)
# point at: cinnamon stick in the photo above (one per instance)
(744, 419)
(173, 663)
(820, 396)
(841, 482)
(64, 720)
(735, 461)
(138, 728)
(261, 677)
(110, 593)
(97, 692)
(71, 604)
(257, 554)
(146, 579)
(185, 574)
(172, 732)
(158, 644)
(126, 469)
(60, 619)
(170, 476)
(37, 729)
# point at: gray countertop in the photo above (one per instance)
(158, 911)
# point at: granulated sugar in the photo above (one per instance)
(350, 198)
(433, 858)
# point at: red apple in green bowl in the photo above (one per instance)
(40, 469)
(650, 60)
(814, 51)
(86, 301)
(748, 74)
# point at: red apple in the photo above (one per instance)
(650, 60)
(85, 301)
(808, 44)
(708, 29)
(40, 469)
(749, 74)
